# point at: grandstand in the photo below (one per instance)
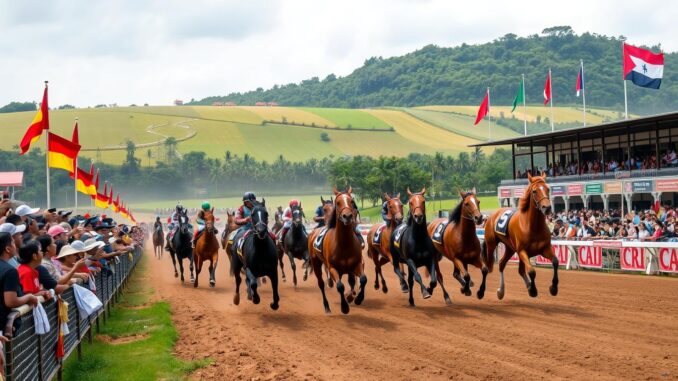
(599, 166)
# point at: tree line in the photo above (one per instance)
(196, 175)
(459, 75)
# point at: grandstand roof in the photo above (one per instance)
(11, 179)
(633, 125)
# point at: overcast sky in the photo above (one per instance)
(134, 51)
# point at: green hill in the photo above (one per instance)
(459, 75)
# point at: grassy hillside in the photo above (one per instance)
(460, 124)
(560, 114)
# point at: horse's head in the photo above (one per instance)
(394, 208)
(539, 193)
(417, 205)
(297, 215)
(208, 216)
(260, 219)
(471, 207)
(343, 206)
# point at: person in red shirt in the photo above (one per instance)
(30, 257)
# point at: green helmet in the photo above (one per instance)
(206, 206)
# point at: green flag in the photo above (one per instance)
(519, 97)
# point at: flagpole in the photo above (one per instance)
(489, 116)
(626, 104)
(583, 90)
(524, 108)
(47, 162)
(75, 182)
(551, 90)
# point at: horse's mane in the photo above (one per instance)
(332, 223)
(524, 203)
(455, 215)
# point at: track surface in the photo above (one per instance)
(601, 326)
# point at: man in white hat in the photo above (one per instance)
(15, 232)
(25, 211)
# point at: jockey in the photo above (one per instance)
(157, 223)
(200, 219)
(287, 218)
(320, 215)
(242, 215)
(174, 223)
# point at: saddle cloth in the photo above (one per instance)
(376, 240)
(439, 232)
(501, 227)
(318, 241)
(398, 234)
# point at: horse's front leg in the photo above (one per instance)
(190, 267)
(236, 274)
(174, 263)
(360, 273)
(446, 296)
(340, 289)
(396, 268)
(525, 260)
(413, 270)
(281, 254)
(318, 271)
(213, 268)
(294, 268)
(466, 285)
(252, 280)
(274, 286)
(554, 261)
(433, 272)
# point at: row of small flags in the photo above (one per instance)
(640, 66)
(63, 154)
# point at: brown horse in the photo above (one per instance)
(230, 227)
(526, 234)
(460, 243)
(341, 253)
(158, 241)
(206, 249)
(328, 207)
(381, 252)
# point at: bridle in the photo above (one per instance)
(349, 207)
(532, 195)
(466, 209)
(393, 203)
(421, 208)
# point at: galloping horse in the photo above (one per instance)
(411, 244)
(328, 207)
(341, 252)
(295, 245)
(255, 251)
(207, 249)
(458, 242)
(158, 241)
(180, 246)
(523, 231)
(230, 227)
(380, 251)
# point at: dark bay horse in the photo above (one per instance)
(230, 227)
(180, 246)
(414, 246)
(526, 234)
(295, 245)
(460, 243)
(207, 249)
(381, 251)
(341, 253)
(328, 207)
(257, 254)
(158, 240)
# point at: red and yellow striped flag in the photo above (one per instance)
(116, 204)
(102, 199)
(84, 184)
(39, 124)
(62, 153)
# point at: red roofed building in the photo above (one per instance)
(260, 104)
(229, 104)
(272, 104)
(178, 102)
(217, 103)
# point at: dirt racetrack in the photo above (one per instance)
(601, 326)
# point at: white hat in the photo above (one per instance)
(12, 229)
(74, 248)
(25, 210)
(92, 243)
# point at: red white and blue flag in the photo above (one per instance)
(642, 67)
(580, 80)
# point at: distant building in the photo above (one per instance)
(229, 104)
(260, 104)
(272, 104)
(178, 102)
(217, 103)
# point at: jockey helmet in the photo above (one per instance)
(294, 202)
(249, 196)
(206, 205)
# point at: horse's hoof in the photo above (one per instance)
(305, 277)
(425, 294)
(500, 294)
(384, 289)
(553, 290)
(327, 311)
(350, 298)
(412, 303)
(471, 284)
(404, 288)
(284, 280)
(533, 292)
(467, 292)
(176, 275)
(330, 283)
(236, 299)
(256, 299)
(359, 299)
(212, 283)
(480, 294)
(344, 308)
(195, 284)
(376, 285)
(249, 297)
(274, 306)
(448, 301)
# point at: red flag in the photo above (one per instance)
(547, 89)
(484, 108)
(61, 153)
(96, 186)
(75, 138)
(39, 124)
(110, 196)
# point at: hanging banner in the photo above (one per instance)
(504, 192)
(557, 190)
(590, 257)
(632, 258)
(642, 186)
(668, 259)
(613, 187)
(575, 189)
(666, 185)
(594, 188)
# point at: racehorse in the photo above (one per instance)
(341, 252)
(380, 251)
(256, 252)
(328, 207)
(458, 242)
(524, 232)
(278, 224)
(411, 244)
(207, 249)
(295, 245)
(158, 241)
(230, 227)
(180, 246)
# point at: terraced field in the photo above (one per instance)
(460, 124)
(560, 114)
(349, 117)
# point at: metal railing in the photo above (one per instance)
(29, 356)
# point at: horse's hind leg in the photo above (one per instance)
(318, 271)
(236, 274)
(439, 274)
(410, 282)
(174, 263)
(181, 268)
(198, 269)
(524, 259)
(213, 268)
(508, 253)
(282, 265)
(330, 281)
(253, 286)
(433, 272)
(360, 273)
(413, 271)
(521, 271)
(190, 268)
(294, 269)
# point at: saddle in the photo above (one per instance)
(376, 240)
(501, 227)
(318, 242)
(439, 232)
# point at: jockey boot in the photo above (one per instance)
(362, 240)
(283, 233)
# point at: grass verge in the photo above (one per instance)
(112, 357)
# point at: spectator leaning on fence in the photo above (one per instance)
(11, 296)
(30, 257)
(15, 231)
(49, 252)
